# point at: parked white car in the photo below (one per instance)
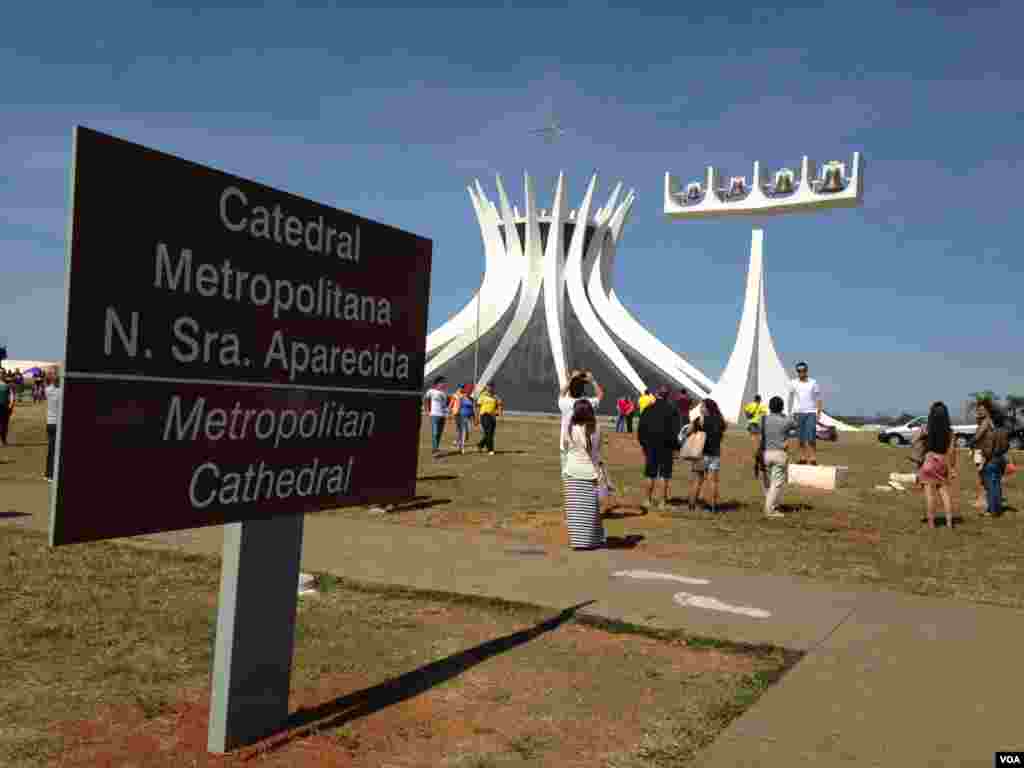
(902, 435)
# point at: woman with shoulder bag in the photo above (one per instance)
(708, 429)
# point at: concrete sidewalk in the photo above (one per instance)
(888, 679)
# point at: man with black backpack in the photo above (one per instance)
(658, 434)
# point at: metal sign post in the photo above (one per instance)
(252, 660)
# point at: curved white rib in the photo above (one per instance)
(531, 284)
(623, 324)
(500, 286)
(581, 304)
(466, 317)
(554, 282)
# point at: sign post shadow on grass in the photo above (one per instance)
(239, 356)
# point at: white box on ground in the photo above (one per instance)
(825, 478)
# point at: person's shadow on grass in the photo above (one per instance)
(398, 689)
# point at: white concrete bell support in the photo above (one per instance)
(837, 185)
(754, 367)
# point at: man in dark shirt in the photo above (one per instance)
(658, 434)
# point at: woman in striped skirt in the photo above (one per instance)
(580, 477)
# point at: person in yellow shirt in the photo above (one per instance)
(645, 400)
(490, 407)
(755, 411)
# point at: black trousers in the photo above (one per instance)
(488, 422)
(51, 445)
(629, 422)
(5, 421)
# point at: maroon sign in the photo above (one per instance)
(233, 351)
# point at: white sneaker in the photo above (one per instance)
(774, 514)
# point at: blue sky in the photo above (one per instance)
(389, 112)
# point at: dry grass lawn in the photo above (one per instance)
(106, 655)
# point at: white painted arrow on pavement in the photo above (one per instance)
(657, 575)
(687, 600)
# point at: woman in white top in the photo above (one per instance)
(582, 451)
(53, 395)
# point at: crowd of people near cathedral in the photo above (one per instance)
(675, 427)
(466, 411)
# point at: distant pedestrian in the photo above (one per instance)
(580, 475)
(772, 456)
(646, 400)
(621, 408)
(805, 404)
(993, 441)
(573, 391)
(630, 414)
(53, 397)
(940, 463)
(465, 418)
(658, 434)
(6, 406)
(454, 399)
(435, 405)
(706, 469)
(490, 408)
(755, 411)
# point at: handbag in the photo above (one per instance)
(693, 448)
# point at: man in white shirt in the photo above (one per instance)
(805, 405)
(435, 405)
(567, 397)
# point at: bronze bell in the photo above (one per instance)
(833, 181)
(784, 181)
(693, 191)
(737, 186)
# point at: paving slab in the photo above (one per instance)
(905, 680)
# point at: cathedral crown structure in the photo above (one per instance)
(546, 305)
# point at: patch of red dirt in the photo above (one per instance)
(863, 536)
(579, 718)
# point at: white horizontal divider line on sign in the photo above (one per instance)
(232, 383)
(686, 600)
(657, 575)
